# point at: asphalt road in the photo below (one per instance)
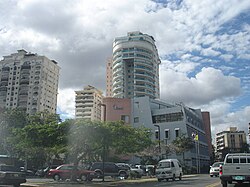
(188, 181)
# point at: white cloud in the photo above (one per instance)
(226, 57)
(66, 102)
(208, 85)
(79, 34)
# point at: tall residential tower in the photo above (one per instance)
(29, 81)
(135, 67)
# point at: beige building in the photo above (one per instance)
(29, 81)
(88, 103)
(229, 141)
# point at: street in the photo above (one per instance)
(203, 180)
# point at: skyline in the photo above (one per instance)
(203, 46)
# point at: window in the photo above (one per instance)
(157, 134)
(243, 160)
(166, 133)
(136, 120)
(229, 160)
(177, 132)
(236, 160)
(125, 118)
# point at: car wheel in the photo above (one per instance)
(167, 180)
(98, 174)
(211, 175)
(90, 178)
(173, 177)
(57, 177)
(180, 177)
(224, 183)
(83, 177)
(122, 174)
(159, 180)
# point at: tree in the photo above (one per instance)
(96, 140)
(40, 139)
(183, 144)
(10, 119)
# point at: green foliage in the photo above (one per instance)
(41, 137)
(97, 140)
(182, 144)
(126, 139)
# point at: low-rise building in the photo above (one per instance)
(167, 122)
(229, 141)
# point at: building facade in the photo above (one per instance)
(29, 81)
(117, 109)
(229, 141)
(135, 66)
(167, 122)
(88, 103)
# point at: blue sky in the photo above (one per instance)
(204, 47)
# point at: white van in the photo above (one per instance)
(168, 169)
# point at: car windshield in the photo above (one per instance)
(217, 164)
(164, 165)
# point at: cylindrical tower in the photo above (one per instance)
(135, 66)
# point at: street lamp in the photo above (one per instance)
(159, 137)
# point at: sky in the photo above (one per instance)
(204, 47)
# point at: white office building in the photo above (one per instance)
(169, 121)
(29, 81)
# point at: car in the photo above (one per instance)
(110, 169)
(215, 169)
(43, 172)
(28, 172)
(168, 169)
(65, 171)
(10, 175)
(132, 170)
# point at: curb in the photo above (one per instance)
(107, 183)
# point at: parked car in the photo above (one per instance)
(44, 171)
(9, 175)
(65, 171)
(132, 170)
(168, 169)
(215, 169)
(110, 169)
(28, 172)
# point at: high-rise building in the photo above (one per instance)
(109, 77)
(135, 66)
(88, 103)
(29, 81)
(229, 141)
